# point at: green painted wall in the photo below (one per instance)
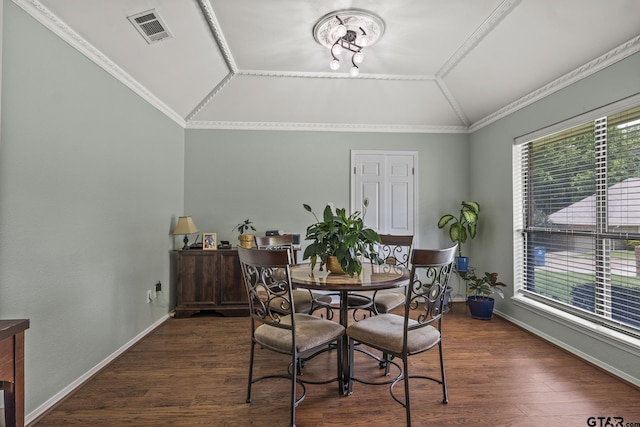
(267, 176)
(91, 177)
(491, 173)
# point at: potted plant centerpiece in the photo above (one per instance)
(479, 289)
(462, 227)
(342, 239)
(246, 239)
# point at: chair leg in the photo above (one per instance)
(407, 405)
(445, 398)
(252, 351)
(294, 378)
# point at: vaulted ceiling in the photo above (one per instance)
(440, 66)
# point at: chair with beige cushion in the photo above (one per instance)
(420, 327)
(283, 331)
(305, 300)
(393, 250)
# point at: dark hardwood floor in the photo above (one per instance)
(192, 372)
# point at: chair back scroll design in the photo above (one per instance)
(430, 274)
(395, 250)
(277, 327)
(269, 294)
(305, 300)
(420, 328)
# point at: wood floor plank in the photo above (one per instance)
(193, 372)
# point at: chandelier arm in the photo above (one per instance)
(353, 61)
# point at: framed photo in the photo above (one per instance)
(209, 241)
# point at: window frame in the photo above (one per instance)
(522, 296)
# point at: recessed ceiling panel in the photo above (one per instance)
(440, 65)
(419, 36)
(538, 42)
(330, 101)
(180, 71)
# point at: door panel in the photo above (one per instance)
(387, 179)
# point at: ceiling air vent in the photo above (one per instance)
(150, 26)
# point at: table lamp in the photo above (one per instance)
(185, 226)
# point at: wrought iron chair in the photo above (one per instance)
(393, 250)
(283, 331)
(420, 329)
(305, 300)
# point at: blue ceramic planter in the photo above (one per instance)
(462, 264)
(481, 308)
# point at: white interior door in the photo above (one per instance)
(388, 179)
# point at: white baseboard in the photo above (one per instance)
(576, 352)
(33, 415)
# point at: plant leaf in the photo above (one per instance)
(470, 217)
(472, 206)
(444, 220)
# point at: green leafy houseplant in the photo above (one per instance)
(343, 236)
(244, 226)
(462, 227)
(246, 239)
(482, 287)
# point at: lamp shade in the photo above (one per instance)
(185, 225)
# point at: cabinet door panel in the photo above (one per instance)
(196, 276)
(231, 284)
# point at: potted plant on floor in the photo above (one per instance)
(246, 239)
(461, 227)
(342, 239)
(480, 289)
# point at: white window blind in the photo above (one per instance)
(577, 219)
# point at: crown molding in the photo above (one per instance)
(324, 127)
(214, 26)
(334, 75)
(618, 54)
(452, 101)
(210, 96)
(498, 14)
(44, 16)
(62, 30)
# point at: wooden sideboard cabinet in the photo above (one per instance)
(210, 281)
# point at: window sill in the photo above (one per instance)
(599, 332)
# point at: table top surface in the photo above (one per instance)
(373, 277)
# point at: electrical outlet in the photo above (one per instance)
(149, 297)
(158, 287)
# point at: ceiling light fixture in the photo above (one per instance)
(348, 30)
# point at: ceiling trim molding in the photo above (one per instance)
(43, 15)
(214, 26)
(452, 101)
(210, 96)
(485, 28)
(327, 127)
(324, 75)
(618, 54)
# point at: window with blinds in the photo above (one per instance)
(577, 219)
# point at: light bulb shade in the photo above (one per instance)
(363, 41)
(354, 71)
(334, 65)
(358, 57)
(185, 225)
(341, 30)
(336, 50)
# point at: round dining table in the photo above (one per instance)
(373, 278)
